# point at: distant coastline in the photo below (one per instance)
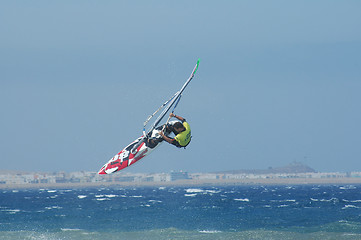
(292, 174)
(191, 182)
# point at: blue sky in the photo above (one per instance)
(279, 81)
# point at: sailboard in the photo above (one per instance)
(139, 148)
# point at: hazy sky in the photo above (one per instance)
(279, 81)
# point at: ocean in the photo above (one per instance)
(204, 212)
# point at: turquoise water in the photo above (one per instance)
(240, 212)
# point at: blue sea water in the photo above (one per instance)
(222, 212)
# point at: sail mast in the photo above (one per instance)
(176, 98)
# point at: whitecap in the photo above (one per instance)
(349, 206)
(82, 196)
(324, 200)
(329, 200)
(11, 211)
(53, 207)
(212, 191)
(70, 229)
(348, 187)
(209, 231)
(190, 195)
(52, 191)
(284, 200)
(241, 199)
(102, 199)
(111, 196)
(194, 190)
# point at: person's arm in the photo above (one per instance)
(168, 139)
(177, 117)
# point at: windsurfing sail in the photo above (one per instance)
(172, 102)
(139, 148)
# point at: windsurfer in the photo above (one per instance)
(181, 130)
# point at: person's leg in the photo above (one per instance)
(153, 142)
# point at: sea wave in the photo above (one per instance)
(348, 187)
(324, 200)
(201, 191)
(11, 211)
(350, 206)
(209, 231)
(53, 207)
(241, 199)
(197, 212)
(70, 229)
(174, 233)
(353, 201)
(106, 195)
(194, 190)
(190, 195)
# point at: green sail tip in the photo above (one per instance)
(197, 65)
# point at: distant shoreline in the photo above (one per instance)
(191, 182)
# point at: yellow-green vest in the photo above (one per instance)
(184, 137)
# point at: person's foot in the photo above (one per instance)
(151, 142)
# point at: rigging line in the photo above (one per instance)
(161, 116)
(152, 115)
(176, 103)
(172, 111)
(176, 97)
